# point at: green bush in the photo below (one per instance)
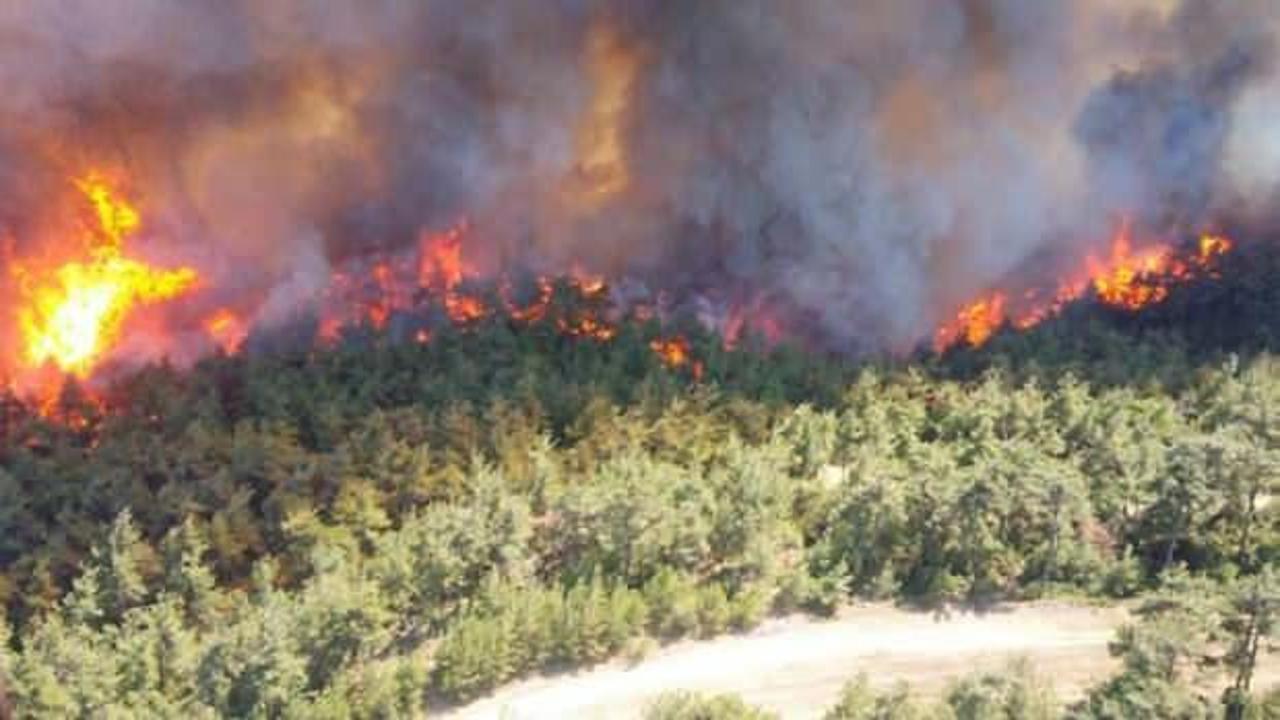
(859, 701)
(1015, 693)
(673, 601)
(692, 706)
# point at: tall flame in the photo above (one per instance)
(976, 322)
(71, 315)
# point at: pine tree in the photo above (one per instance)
(1251, 621)
(117, 566)
(187, 577)
(1182, 496)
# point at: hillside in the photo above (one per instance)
(383, 527)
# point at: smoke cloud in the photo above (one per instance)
(865, 166)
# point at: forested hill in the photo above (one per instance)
(1202, 322)
(367, 530)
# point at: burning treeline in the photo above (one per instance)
(177, 178)
(1123, 279)
(75, 306)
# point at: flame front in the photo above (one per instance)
(1126, 279)
(71, 315)
(1131, 280)
(578, 304)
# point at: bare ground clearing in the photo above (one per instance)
(798, 666)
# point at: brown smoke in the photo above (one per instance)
(867, 164)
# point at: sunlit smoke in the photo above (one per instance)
(846, 176)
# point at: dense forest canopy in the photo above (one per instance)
(368, 529)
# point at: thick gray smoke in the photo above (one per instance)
(1156, 136)
(867, 165)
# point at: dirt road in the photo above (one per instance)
(797, 667)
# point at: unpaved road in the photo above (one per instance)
(797, 667)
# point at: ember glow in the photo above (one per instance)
(227, 330)
(72, 312)
(1125, 279)
(439, 275)
(676, 353)
(372, 290)
(832, 176)
(838, 176)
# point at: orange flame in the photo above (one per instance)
(227, 330)
(1126, 279)
(72, 315)
(976, 322)
(1132, 280)
(465, 309)
(439, 273)
(676, 353)
(441, 268)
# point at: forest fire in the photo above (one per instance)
(807, 173)
(71, 312)
(676, 353)
(438, 274)
(73, 315)
(227, 330)
(371, 357)
(1126, 279)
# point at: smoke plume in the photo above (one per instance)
(864, 165)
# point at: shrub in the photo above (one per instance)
(691, 706)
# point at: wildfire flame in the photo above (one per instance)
(976, 322)
(1126, 279)
(72, 314)
(676, 353)
(227, 329)
(73, 310)
(576, 305)
(73, 305)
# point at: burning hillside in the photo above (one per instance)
(1125, 279)
(77, 306)
(178, 180)
(72, 303)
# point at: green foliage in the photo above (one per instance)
(673, 603)
(1190, 626)
(690, 706)
(386, 690)
(350, 532)
(516, 630)
(1016, 693)
(439, 560)
(859, 701)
